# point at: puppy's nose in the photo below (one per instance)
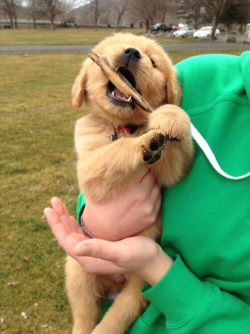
(132, 54)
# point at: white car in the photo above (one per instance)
(184, 32)
(205, 32)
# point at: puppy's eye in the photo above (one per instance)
(153, 62)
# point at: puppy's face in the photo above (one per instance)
(142, 62)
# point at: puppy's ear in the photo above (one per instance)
(79, 87)
(173, 88)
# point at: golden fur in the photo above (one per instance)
(105, 166)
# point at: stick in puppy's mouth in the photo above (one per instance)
(121, 83)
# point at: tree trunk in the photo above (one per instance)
(218, 14)
(242, 28)
(11, 21)
(118, 21)
(215, 23)
(147, 25)
(34, 22)
(52, 25)
(150, 25)
(196, 17)
(15, 22)
(96, 13)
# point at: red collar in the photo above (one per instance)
(129, 128)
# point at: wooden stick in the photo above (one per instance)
(120, 82)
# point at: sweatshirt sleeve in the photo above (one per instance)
(191, 305)
(80, 207)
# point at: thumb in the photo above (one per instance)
(98, 248)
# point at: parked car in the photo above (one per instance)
(205, 32)
(161, 27)
(184, 32)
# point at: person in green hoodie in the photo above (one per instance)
(198, 279)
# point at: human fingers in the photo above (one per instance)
(59, 206)
(128, 253)
(155, 194)
(146, 259)
(61, 209)
(65, 229)
(98, 248)
(99, 266)
(57, 227)
(155, 210)
(147, 183)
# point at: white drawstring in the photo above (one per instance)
(210, 155)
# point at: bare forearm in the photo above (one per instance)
(157, 268)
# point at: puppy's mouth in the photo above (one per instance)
(115, 94)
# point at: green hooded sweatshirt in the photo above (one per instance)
(206, 217)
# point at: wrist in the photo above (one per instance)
(95, 225)
(157, 268)
(85, 229)
(87, 225)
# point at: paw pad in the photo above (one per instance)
(152, 153)
(155, 157)
(154, 145)
(147, 156)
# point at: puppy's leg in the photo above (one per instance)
(103, 171)
(176, 159)
(81, 291)
(127, 306)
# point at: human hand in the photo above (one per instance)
(137, 255)
(64, 226)
(69, 234)
(131, 211)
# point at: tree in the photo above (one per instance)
(51, 9)
(66, 12)
(95, 9)
(35, 10)
(166, 7)
(120, 7)
(193, 9)
(150, 10)
(9, 8)
(216, 8)
(238, 11)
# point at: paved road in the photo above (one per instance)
(23, 49)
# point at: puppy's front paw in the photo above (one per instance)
(172, 121)
(154, 142)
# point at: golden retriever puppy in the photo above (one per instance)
(113, 142)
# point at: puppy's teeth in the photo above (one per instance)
(129, 99)
(117, 68)
(113, 93)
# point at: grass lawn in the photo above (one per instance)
(69, 36)
(60, 36)
(37, 162)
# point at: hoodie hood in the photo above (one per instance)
(206, 78)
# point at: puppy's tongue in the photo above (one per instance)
(121, 96)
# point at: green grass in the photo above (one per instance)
(70, 36)
(37, 162)
(179, 40)
(60, 36)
